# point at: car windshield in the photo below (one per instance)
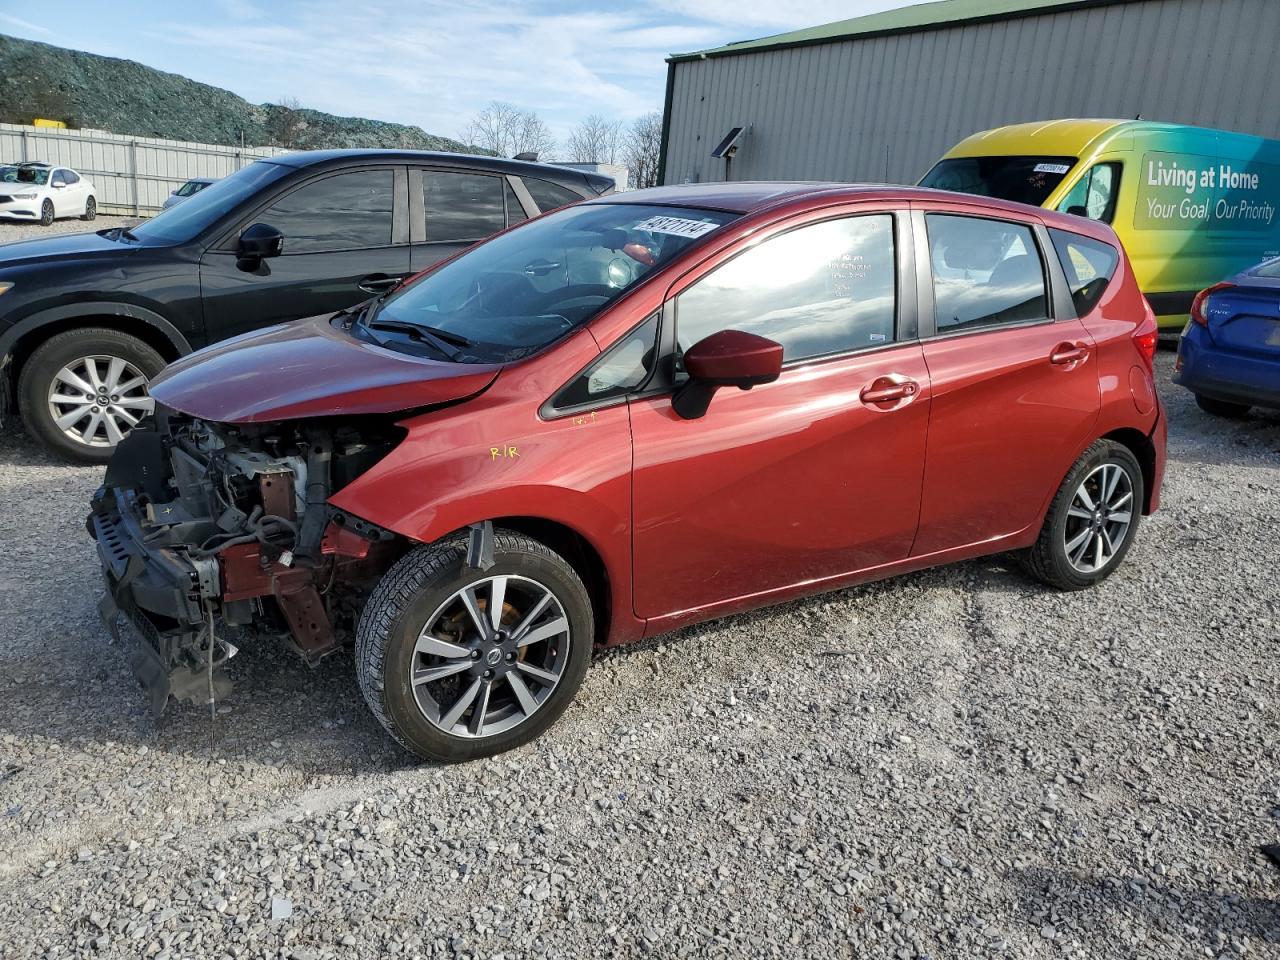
(38, 176)
(1021, 179)
(513, 295)
(184, 221)
(190, 187)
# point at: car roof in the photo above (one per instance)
(596, 182)
(746, 197)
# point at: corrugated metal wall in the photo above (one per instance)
(132, 175)
(884, 108)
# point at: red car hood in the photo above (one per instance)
(309, 369)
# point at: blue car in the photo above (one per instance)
(1229, 354)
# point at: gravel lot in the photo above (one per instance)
(11, 230)
(957, 763)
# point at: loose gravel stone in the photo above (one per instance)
(982, 768)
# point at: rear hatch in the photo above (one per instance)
(1246, 318)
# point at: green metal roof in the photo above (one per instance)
(921, 16)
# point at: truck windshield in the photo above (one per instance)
(509, 297)
(1021, 179)
(188, 219)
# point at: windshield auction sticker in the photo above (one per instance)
(677, 226)
(1051, 168)
(1182, 191)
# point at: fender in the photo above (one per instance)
(89, 309)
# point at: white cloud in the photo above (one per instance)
(782, 16)
(25, 25)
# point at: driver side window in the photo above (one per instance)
(821, 289)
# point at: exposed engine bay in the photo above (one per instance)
(210, 531)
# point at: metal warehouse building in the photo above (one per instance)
(881, 97)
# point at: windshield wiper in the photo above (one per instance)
(444, 341)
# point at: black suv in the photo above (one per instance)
(87, 319)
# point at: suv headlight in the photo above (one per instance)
(5, 286)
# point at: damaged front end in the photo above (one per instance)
(205, 528)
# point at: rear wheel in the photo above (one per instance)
(459, 663)
(83, 390)
(46, 213)
(1222, 408)
(1092, 520)
(90, 209)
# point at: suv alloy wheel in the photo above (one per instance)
(83, 390)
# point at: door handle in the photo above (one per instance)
(1065, 353)
(379, 283)
(888, 390)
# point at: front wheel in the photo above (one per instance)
(90, 209)
(1222, 408)
(83, 390)
(459, 663)
(46, 213)
(1092, 520)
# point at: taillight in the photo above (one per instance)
(1147, 336)
(1197, 305)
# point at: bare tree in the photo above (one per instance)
(641, 149)
(285, 125)
(507, 130)
(595, 140)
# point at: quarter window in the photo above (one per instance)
(821, 289)
(350, 211)
(985, 273)
(1094, 196)
(548, 195)
(623, 368)
(462, 206)
(1089, 265)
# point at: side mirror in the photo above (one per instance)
(57, 186)
(730, 358)
(258, 240)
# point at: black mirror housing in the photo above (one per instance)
(260, 240)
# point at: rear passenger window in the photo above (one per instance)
(822, 289)
(985, 273)
(462, 206)
(1089, 265)
(548, 195)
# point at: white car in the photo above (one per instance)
(43, 192)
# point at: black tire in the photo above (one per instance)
(90, 209)
(1047, 560)
(1222, 408)
(46, 213)
(38, 373)
(414, 589)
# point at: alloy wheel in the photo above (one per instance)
(490, 656)
(97, 400)
(1098, 518)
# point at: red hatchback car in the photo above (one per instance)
(629, 415)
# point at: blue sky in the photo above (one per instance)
(431, 64)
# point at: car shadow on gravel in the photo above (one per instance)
(1111, 908)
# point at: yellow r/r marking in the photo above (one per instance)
(495, 453)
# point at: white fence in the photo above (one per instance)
(133, 175)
